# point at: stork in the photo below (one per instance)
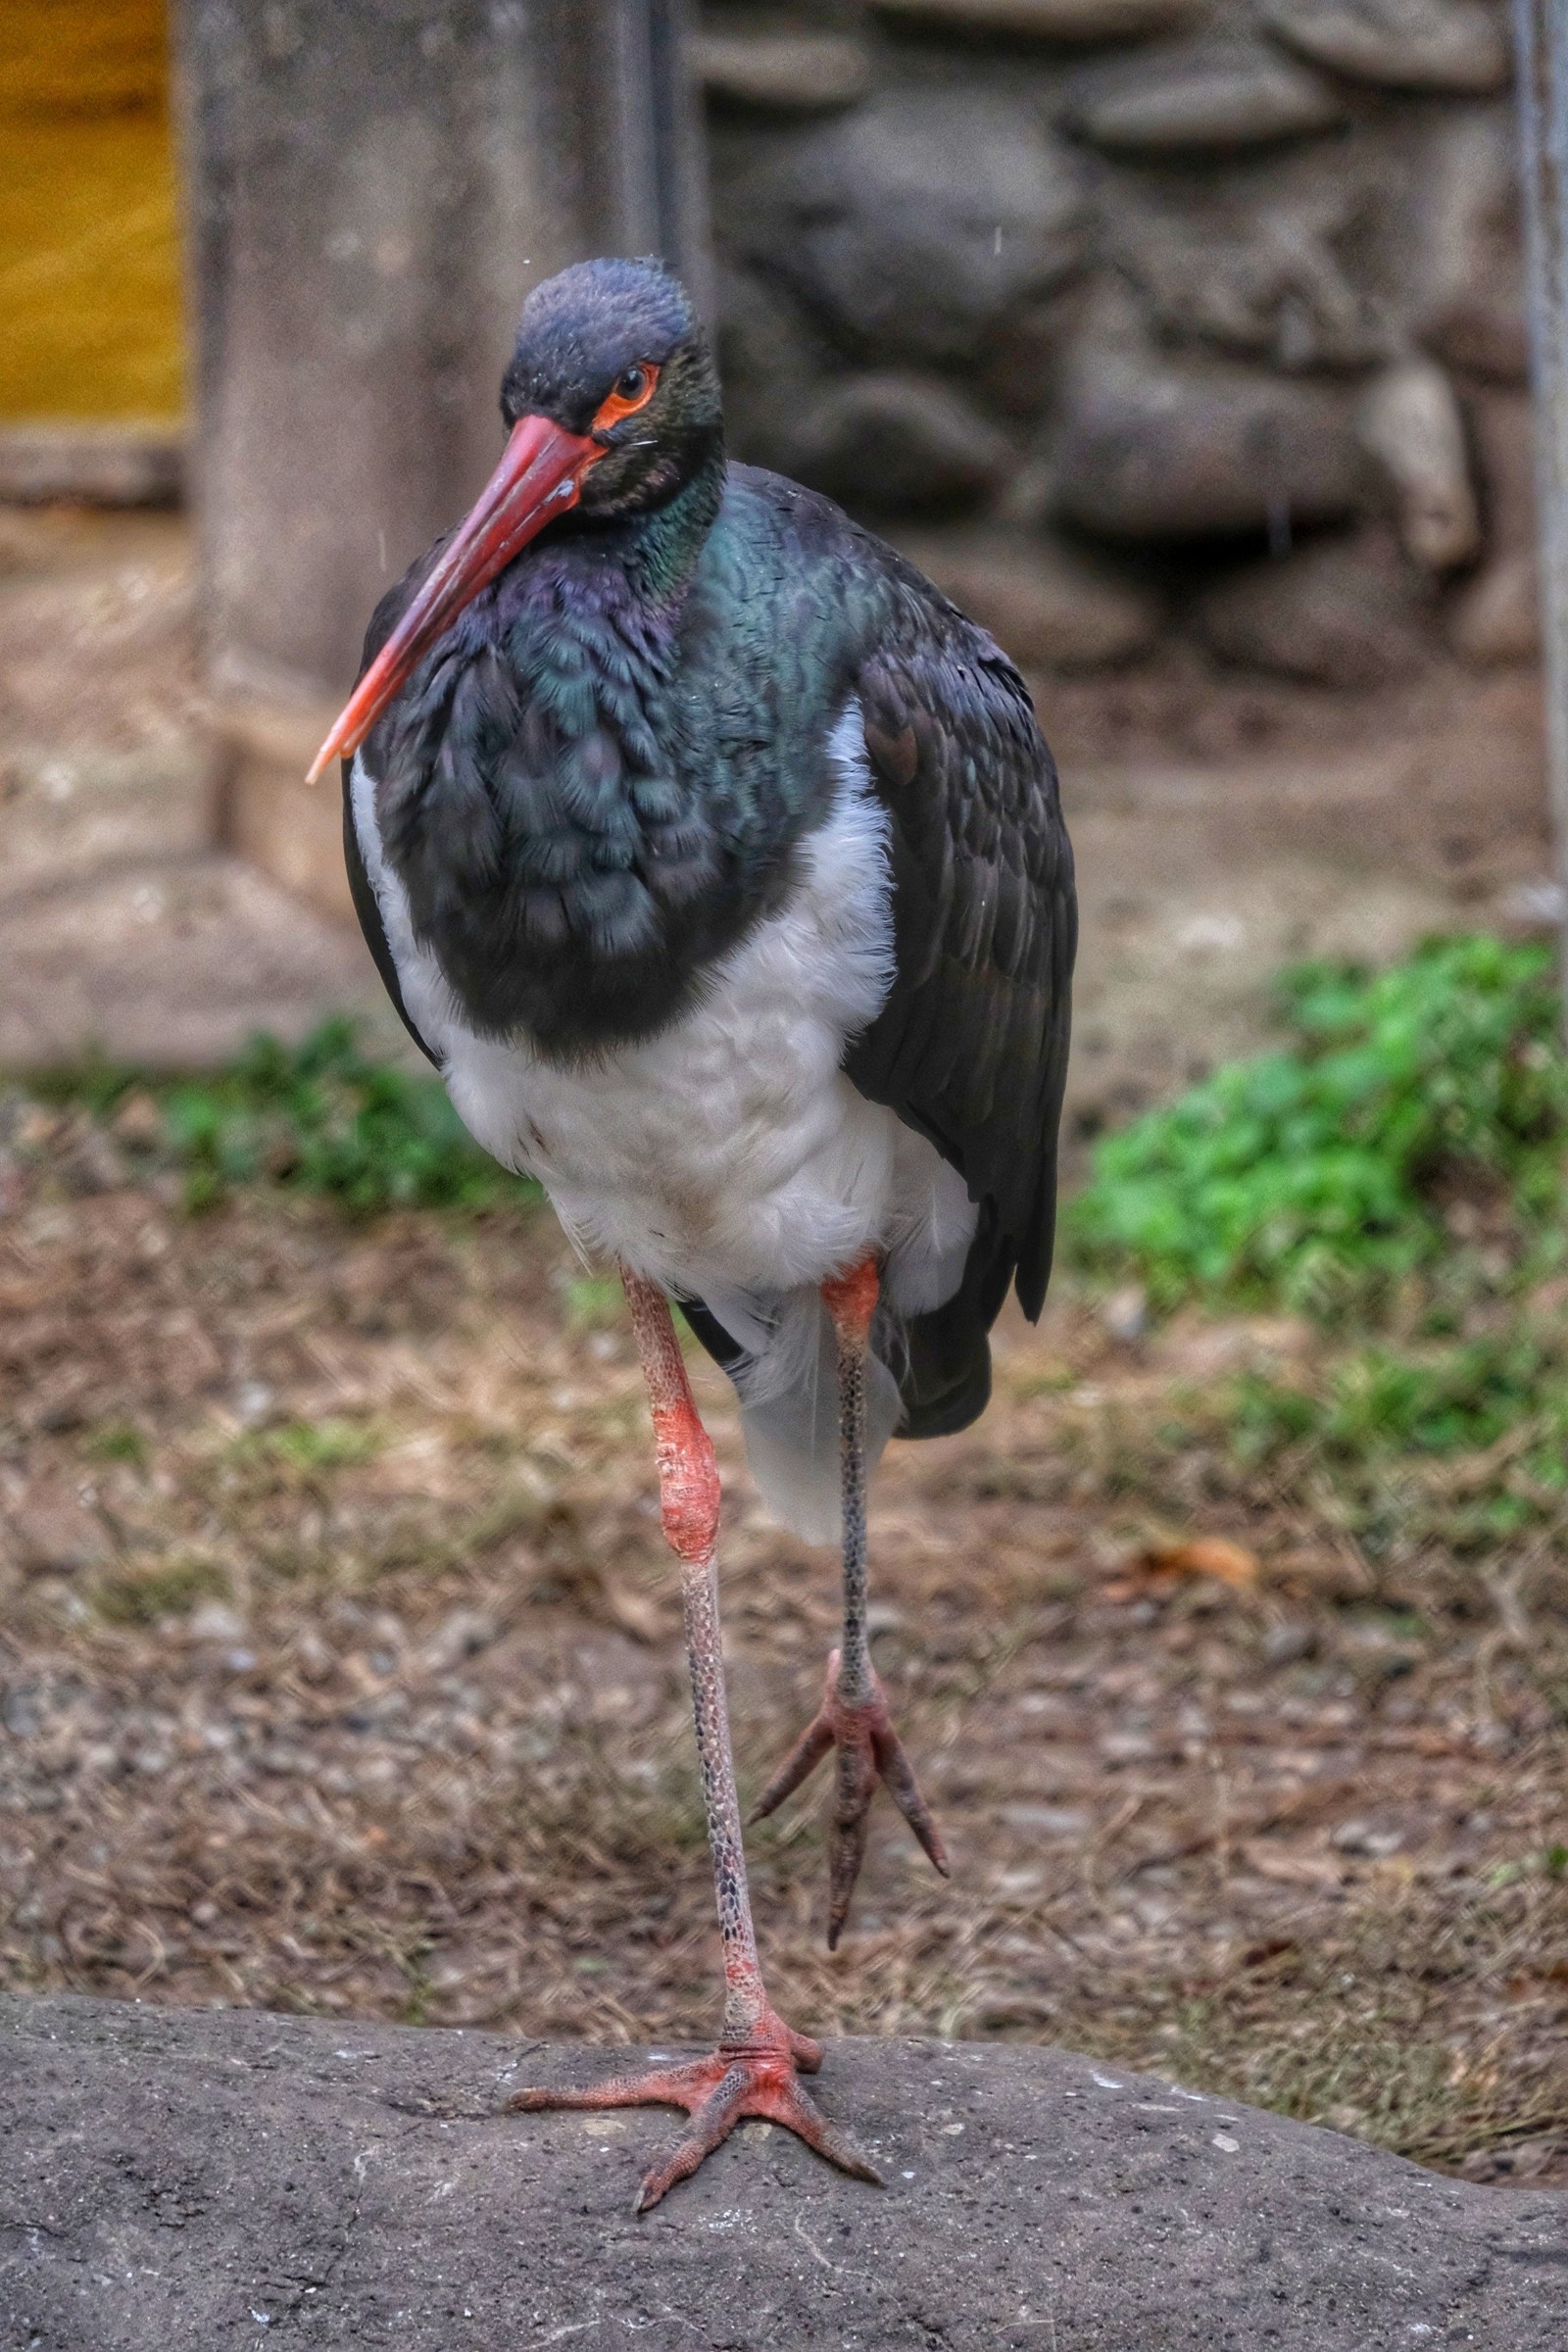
(716, 862)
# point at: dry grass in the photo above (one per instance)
(340, 1672)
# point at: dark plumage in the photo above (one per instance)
(614, 830)
(597, 780)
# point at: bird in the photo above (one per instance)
(717, 862)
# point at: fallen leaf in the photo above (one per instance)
(1203, 1555)
(1290, 1869)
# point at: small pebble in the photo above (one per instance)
(253, 1401)
(1284, 1644)
(1125, 1313)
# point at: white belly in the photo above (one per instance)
(727, 1157)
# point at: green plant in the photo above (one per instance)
(1462, 1398)
(119, 1442)
(1322, 1176)
(321, 1117)
(314, 1445)
(592, 1301)
(141, 1596)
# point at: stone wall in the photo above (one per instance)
(1144, 324)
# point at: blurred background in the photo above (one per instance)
(1183, 342)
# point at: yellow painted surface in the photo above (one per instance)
(90, 251)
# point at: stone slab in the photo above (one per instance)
(187, 2182)
(70, 813)
(293, 831)
(173, 963)
(1450, 45)
(1226, 97)
(782, 73)
(94, 465)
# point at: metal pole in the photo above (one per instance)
(1541, 33)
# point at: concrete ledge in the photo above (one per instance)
(292, 830)
(185, 2182)
(74, 816)
(95, 465)
(171, 963)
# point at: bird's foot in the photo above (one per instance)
(869, 1750)
(757, 2075)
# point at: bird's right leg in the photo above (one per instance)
(757, 2067)
(853, 1719)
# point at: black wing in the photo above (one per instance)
(383, 620)
(971, 1046)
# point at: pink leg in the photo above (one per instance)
(757, 2066)
(854, 1717)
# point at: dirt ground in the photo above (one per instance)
(339, 1657)
(340, 1672)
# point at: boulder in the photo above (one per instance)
(781, 73)
(1463, 257)
(189, 2182)
(1231, 94)
(1071, 20)
(1147, 445)
(1047, 605)
(1260, 279)
(1410, 425)
(1346, 611)
(1497, 618)
(921, 225)
(898, 444)
(1404, 44)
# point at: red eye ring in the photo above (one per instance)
(635, 387)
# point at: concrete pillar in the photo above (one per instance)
(373, 187)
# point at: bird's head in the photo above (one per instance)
(611, 405)
(611, 354)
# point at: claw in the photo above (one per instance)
(869, 1749)
(759, 2075)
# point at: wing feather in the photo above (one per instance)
(972, 1045)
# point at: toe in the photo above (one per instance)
(711, 2122)
(898, 1777)
(656, 2087)
(802, 2115)
(846, 1854)
(854, 1788)
(803, 1760)
(807, 2053)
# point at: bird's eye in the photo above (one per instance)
(634, 389)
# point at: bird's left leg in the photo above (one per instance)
(757, 2067)
(854, 1718)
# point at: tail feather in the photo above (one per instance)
(788, 1387)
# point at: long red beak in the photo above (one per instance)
(540, 476)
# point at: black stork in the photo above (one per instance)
(716, 861)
